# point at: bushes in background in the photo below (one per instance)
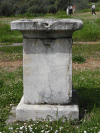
(15, 7)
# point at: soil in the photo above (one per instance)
(87, 42)
(11, 66)
(91, 64)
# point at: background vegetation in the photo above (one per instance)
(15, 7)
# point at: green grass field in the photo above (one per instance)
(86, 82)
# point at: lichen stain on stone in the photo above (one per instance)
(27, 59)
(35, 24)
(27, 71)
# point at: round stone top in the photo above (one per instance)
(47, 24)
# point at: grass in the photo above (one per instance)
(89, 32)
(87, 51)
(10, 92)
(87, 85)
(7, 35)
(11, 53)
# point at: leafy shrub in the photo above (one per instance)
(62, 4)
(36, 6)
(78, 59)
(6, 8)
(52, 9)
(83, 4)
(20, 7)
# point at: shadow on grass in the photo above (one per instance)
(88, 99)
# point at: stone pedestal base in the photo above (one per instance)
(47, 68)
(34, 112)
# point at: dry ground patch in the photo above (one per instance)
(91, 64)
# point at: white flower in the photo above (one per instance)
(21, 127)
(51, 128)
(60, 128)
(46, 125)
(17, 128)
(46, 131)
(56, 131)
(11, 128)
(20, 131)
(42, 131)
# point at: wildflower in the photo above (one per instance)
(46, 131)
(17, 128)
(20, 131)
(60, 128)
(46, 125)
(51, 128)
(42, 131)
(29, 126)
(21, 127)
(56, 131)
(85, 131)
(11, 128)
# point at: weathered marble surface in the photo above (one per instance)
(47, 70)
(46, 28)
(26, 112)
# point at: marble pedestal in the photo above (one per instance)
(47, 68)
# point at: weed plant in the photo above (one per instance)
(78, 59)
